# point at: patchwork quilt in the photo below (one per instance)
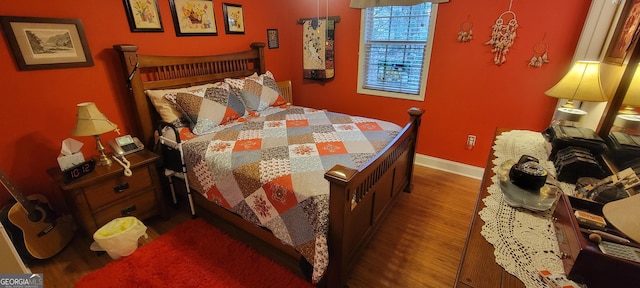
(270, 170)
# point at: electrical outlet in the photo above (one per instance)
(471, 141)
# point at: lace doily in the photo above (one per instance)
(524, 241)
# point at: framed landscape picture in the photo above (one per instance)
(47, 43)
(625, 34)
(143, 15)
(193, 17)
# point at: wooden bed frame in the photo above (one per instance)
(359, 199)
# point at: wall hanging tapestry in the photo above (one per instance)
(504, 32)
(318, 47)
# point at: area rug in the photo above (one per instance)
(193, 254)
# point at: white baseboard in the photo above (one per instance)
(449, 166)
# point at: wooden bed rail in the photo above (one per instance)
(359, 199)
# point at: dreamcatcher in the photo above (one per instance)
(466, 32)
(504, 32)
(540, 54)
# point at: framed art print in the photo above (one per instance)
(47, 43)
(625, 34)
(193, 17)
(233, 18)
(143, 15)
(272, 38)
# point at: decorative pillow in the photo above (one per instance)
(218, 106)
(257, 93)
(166, 109)
(171, 97)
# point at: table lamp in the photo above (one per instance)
(632, 97)
(91, 122)
(628, 119)
(581, 83)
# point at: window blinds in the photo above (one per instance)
(394, 47)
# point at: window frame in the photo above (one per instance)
(425, 64)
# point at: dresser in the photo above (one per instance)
(106, 193)
(580, 258)
(478, 268)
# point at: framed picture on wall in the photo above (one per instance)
(233, 18)
(193, 17)
(272, 38)
(47, 43)
(143, 15)
(625, 34)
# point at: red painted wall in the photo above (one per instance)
(466, 93)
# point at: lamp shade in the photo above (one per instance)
(90, 121)
(582, 83)
(632, 98)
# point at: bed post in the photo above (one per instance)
(339, 204)
(415, 115)
(259, 47)
(143, 125)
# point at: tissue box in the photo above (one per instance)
(68, 161)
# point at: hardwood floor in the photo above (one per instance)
(428, 229)
(418, 245)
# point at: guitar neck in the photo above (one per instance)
(26, 204)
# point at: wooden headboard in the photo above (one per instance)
(161, 72)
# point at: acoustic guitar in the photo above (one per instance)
(36, 230)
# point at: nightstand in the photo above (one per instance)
(106, 194)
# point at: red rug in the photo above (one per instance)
(193, 254)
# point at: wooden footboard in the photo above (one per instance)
(360, 199)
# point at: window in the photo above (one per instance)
(395, 48)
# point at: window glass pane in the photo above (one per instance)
(394, 46)
(420, 10)
(400, 28)
(418, 30)
(381, 11)
(401, 11)
(380, 29)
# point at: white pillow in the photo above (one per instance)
(166, 109)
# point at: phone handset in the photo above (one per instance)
(124, 162)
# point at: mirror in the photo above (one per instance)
(604, 41)
(615, 103)
(622, 51)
